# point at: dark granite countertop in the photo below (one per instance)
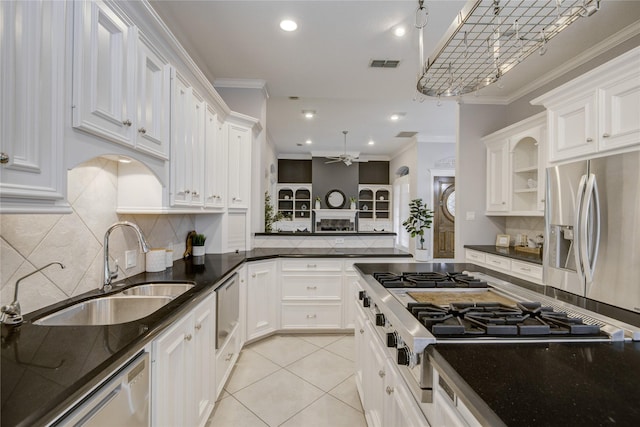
(44, 369)
(509, 252)
(555, 384)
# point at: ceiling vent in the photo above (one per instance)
(406, 134)
(384, 63)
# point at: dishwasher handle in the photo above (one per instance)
(99, 406)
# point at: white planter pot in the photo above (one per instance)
(353, 206)
(421, 255)
(318, 205)
(198, 251)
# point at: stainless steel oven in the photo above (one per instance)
(227, 310)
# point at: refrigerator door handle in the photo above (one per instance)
(578, 236)
(589, 246)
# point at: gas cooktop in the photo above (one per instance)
(428, 280)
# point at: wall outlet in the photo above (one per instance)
(339, 240)
(130, 258)
(471, 216)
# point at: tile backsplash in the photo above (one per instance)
(529, 225)
(28, 242)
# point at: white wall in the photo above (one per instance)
(474, 122)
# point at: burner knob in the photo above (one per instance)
(391, 339)
(380, 319)
(403, 356)
(366, 302)
(361, 295)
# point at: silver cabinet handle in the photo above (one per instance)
(237, 199)
(311, 265)
(589, 139)
(188, 337)
(187, 192)
(312, 288)
(142, 130)
(4, 158)
(525, 268)
(389, 390)
(311, 316)
(381, 373)
(605, 135)
(229, 357)
(127, 122)
(504, 203)
(198, 326)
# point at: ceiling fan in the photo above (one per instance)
(347, 159)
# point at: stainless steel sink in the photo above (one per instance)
(159, 289)
(108, 310)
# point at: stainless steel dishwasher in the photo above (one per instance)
(122, 400)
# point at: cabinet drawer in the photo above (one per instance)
(475, 256)
(304, 316)
(225, 359)
(526, 270)
(498, 262)
(326, 286)
(311, 265)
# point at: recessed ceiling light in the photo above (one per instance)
(371, 142)
(309, 114)
(399, 31)
(308, 141)
(396, 116)
(288, 25)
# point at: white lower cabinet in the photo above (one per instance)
(398, 407)
(520, 269)
(262, 299)
(311, 316)
(183, 389)
(226, 357)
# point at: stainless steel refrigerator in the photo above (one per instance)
(593, 229)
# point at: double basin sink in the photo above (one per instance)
(127, 305)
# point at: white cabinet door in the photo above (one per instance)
(196, 150)
(262, 299)
(360, 346)
(497, 176)
(573, 130)
(204, 329)
(172, 365)
(239, 150)
(400, 408)
(373, 379)
(32, 177)
(351, 288)
(153, 103)
(103, 77)
(619, 113)
(183, 385)
(215, 170)
(180, 141)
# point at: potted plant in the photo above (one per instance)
(353, 201)
(420, 219)
(198, 244)
(318, 206)
(270, 216)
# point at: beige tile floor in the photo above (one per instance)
(292, 381)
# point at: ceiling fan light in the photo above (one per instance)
(309, 114)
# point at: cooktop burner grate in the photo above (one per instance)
(429, 280)
(498, 320)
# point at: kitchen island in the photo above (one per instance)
(524, 383)
(45, 369)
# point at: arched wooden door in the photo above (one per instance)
(444, 194)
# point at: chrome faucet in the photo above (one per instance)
(11, 314)
(109, 274)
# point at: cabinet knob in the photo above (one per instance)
(389, 390)
(188, 337)
(4, 158)
(253, 275)
(381, 373)
(504, 203)
(211, 197)
(127, 122)
(237, 199)
(198, 326)
(142, 130)
(589, 139)
(195, 193)
(311, 316)
(605, 135)
(187, 192)
(362, 331)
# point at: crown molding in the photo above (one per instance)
(242, 84)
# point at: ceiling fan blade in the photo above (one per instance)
(333, 161)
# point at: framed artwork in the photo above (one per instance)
(502, 240)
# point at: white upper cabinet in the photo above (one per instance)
(153, 100)
(120, 82)
(596, 112)
(32, 174)
(239, 151)
(215, 171)
(516, 169)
